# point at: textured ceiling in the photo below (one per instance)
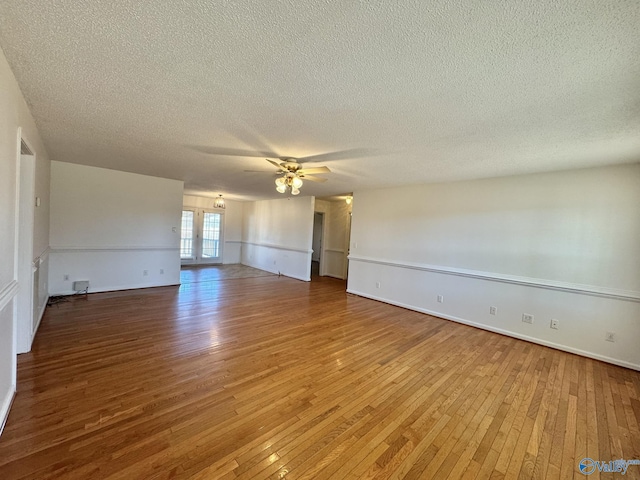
(416, 91)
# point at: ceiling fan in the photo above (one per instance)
(291, 170)
(292, 173)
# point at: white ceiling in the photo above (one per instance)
(414, 91)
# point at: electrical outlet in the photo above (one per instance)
(66, 277)
(610, 337)
(440, 299)
(145, 273)
(493, 310)
(555, 324)
(377, 284)
(527, 318)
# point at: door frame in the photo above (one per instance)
(218, 259)
(25, 227)
(198, 225)
(321, 253)
(189, 260)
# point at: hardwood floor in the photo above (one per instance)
(272, 377)
(210, 273)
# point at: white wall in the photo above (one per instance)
(277, 235)
(108, 227)
(232, 228)
(15, 117)
(559, 245)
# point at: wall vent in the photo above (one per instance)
(81, 286)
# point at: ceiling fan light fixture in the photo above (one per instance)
(291, 174)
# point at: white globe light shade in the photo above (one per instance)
(280, 181)
(296, 182)
(281, 188)
(295, 191)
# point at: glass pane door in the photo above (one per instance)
(187, 252)
(201, 237)
(211, 233)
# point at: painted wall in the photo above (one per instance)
(277, 235)
(559, 245)
(232, 228)
(109, 227)
(15, 115)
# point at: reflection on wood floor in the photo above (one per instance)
(269, 377)
(210, 273)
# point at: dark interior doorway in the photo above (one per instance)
(317, 244)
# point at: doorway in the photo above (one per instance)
(317, 267)
(201, 237)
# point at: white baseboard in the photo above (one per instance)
(501, 331)
(333, 276)
(116, 288)
(295, 277)
(40, 315)
(277, 272)
(6, 407)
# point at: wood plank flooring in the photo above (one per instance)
(267, 378)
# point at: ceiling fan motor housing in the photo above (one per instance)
(291, 165)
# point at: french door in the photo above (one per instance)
(201, 237)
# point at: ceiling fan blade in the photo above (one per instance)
(277, 165)
(314, 170)
(338, 155)
(313, 179)
(231, 152)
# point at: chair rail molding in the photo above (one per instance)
(617, 294)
